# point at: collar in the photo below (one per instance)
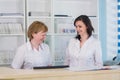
(29, 46)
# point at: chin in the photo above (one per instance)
(79, 34)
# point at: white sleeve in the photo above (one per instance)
(50, 57)
(18, 59)
(47, 49)
(69, 49)
(98, 55)
(67, 60)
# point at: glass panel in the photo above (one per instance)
(61, 43)
(64, 25)
(39, 7)
(8, 46)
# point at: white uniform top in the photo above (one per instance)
(26, 57)
(88, 56)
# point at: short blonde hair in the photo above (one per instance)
(36, 27)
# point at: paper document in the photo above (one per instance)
(93, 68)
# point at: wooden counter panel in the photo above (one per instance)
(57, 74)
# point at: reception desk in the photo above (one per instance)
(57, 74)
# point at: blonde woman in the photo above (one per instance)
(33, 53)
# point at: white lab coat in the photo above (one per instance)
(87, 57)
(27, 58)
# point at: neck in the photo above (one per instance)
(84, 37)
(34, 44)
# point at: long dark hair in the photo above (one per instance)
(85, 19)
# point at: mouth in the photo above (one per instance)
(79, 32)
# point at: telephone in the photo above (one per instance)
(117, 59)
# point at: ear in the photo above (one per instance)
(33, 34)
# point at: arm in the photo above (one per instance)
(18, 59)
(47, 49)
(98, 55)
(50, 58)
(73, 48)
(66, 62)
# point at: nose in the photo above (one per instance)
(44, 36)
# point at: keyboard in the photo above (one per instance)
(51, 67)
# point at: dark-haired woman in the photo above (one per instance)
(84, 51)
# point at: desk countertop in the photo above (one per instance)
(56, 74)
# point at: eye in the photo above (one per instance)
(35, 32)
(44, 35)
(80, 26)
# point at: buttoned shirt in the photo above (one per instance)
(27, 57)
(87, 56)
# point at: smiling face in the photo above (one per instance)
(81, 28)
(37, 31)
(39, 37)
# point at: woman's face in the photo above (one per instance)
(81, 28)
(40, 36)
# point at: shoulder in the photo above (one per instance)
(95, 40)
(20, 51)
(23, 47)
(73, 40)
(45, 46)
